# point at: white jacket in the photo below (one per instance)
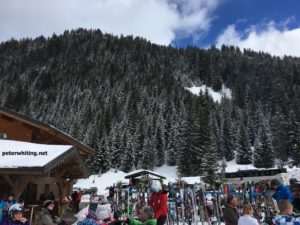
(103, 211)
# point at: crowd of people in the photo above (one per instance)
(283, 197)
(156, 213)
(12, 211)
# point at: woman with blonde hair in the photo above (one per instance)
(247, 218)
(285, 216)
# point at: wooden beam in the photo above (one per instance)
(8, 180)
(66, 169)
(18, 186)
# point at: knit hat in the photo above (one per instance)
(47, 203)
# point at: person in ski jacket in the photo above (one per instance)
(47, 217)
(285, 216)
(247, 218)
(7, 204)
(158, 202)
(77, 199)
(1, 207)
(146, 217)
(230, 214)
(103, 211)
(282, 192)
(15, 216)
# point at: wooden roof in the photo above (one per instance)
(142, 173)
(83, 149)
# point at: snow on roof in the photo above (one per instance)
(217, 96)
(14, 154)
(232, 166)
(192, 180)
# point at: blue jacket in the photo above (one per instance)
(7, 204)
(283, 193)
(1, 207)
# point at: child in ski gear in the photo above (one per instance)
(282, 192)
(47, 216)
(158, 201)
(7, 204)
(247, 218)
(230, 214)
(285, 215)
(15, 216)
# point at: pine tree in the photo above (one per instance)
(228, 139)
(293, 127)
(263, 149)
(128, 158)
(148, 155)
(280, 135)
(243, 151)
(159, 147)
(210, 157)
(184, 148)
(116, 151)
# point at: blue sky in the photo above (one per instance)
(246, 13)
(263, 25)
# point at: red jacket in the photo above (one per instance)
(158, 201)
(78, 196)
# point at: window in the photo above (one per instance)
(3, 136)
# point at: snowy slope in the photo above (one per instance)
(217, 96)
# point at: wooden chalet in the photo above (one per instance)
(54, 172)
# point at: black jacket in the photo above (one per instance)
(230, 215)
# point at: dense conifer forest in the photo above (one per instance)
(126, 98)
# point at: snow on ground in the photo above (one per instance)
(102, 182)
(232, 166)
(217, 96)
(170, 172)
(294, 173)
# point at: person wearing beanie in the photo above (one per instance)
(47, 217)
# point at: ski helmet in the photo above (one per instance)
(15, 208)
(155, 186)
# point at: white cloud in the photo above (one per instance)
(155, 20)
(196, 17)
(271, 39)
